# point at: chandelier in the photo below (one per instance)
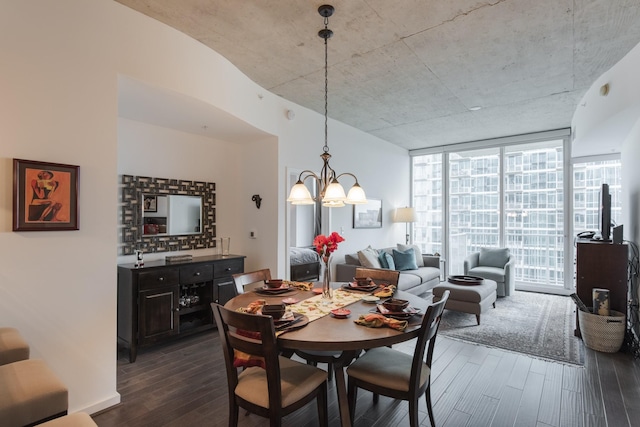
(330, 190)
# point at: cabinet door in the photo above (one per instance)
(224, 290)
(158, 317)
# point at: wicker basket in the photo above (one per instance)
(602, 333)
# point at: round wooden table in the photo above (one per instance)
(329, 333)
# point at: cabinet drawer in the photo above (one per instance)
(196, 274)
(158, 278)
(305, 271)
(227, 268)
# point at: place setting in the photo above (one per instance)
(276, 287)
(396, 308)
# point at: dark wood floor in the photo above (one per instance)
(184, 384)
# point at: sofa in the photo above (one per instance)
(416, 281)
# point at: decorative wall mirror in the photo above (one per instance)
(160, 215)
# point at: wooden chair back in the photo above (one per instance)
(379, 276)
(257, 338)
(250, 279)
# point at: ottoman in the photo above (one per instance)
(12, 346)
(30, 394)
(472, 299)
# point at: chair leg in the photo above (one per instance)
(413, 413)
(233, 414)
(478, 318)
(376, 397)
(323, 411)
(352, 396)
(427, 396)
(330, 370)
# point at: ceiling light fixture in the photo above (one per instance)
(331, 192)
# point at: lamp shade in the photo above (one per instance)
(300, 195)
(405, 215)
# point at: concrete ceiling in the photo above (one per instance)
(408, 71)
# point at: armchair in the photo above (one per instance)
(493, 264)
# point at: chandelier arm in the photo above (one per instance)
(350, 174)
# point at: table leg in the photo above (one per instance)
(341, 386)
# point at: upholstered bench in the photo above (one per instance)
(78, 419)
(30, 393)
(472, 299)
(12, 346)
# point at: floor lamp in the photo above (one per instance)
(405, 215)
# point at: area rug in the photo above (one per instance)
(535, 324)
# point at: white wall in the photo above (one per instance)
(612, 123)
(58, 103)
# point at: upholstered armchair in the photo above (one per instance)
(493, 264)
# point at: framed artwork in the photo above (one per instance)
(45, 196)
(368, 215)
(150, 203)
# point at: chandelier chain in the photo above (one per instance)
(326, 85)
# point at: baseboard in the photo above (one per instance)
(99, 406)
(553, 290)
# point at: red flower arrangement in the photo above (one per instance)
(325, 245)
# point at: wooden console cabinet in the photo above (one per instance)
(602, 265)
(161, 300)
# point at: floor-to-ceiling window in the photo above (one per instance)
(588, 175)
(474, 204)
(506, 194)
(511, 194)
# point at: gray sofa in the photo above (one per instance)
(414, 281)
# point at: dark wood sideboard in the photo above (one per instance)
(151, 303)
(602, 265)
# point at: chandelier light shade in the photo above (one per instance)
(331, 192)
(405, 215)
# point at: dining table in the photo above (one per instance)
(342, 335)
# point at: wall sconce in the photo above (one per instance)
(256, 198)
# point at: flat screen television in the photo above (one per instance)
(604, 214)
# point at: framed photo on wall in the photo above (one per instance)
(45, 196)
(368, 215)
(150, 203)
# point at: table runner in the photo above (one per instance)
(314, 307)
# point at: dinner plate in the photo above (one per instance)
(299, 321)
(370, 299)
(353, 287)
(274, 291)
(401, 315)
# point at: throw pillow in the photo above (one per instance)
(369, 258)
(386, 260)
(493, 257)
(416, 251)
(390, 261)
(405, 260)
(383, 259)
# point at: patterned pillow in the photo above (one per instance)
(405, 260)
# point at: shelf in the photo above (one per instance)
(193, 309)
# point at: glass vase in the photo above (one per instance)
(327, 293)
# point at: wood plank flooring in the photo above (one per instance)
(184, 384)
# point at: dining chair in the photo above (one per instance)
(242, 280)
(390, 277)
(396, 374)
(280, 387)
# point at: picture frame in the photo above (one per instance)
(368, 215)
(150, 203)
(45, 196)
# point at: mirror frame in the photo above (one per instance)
(131, 232)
